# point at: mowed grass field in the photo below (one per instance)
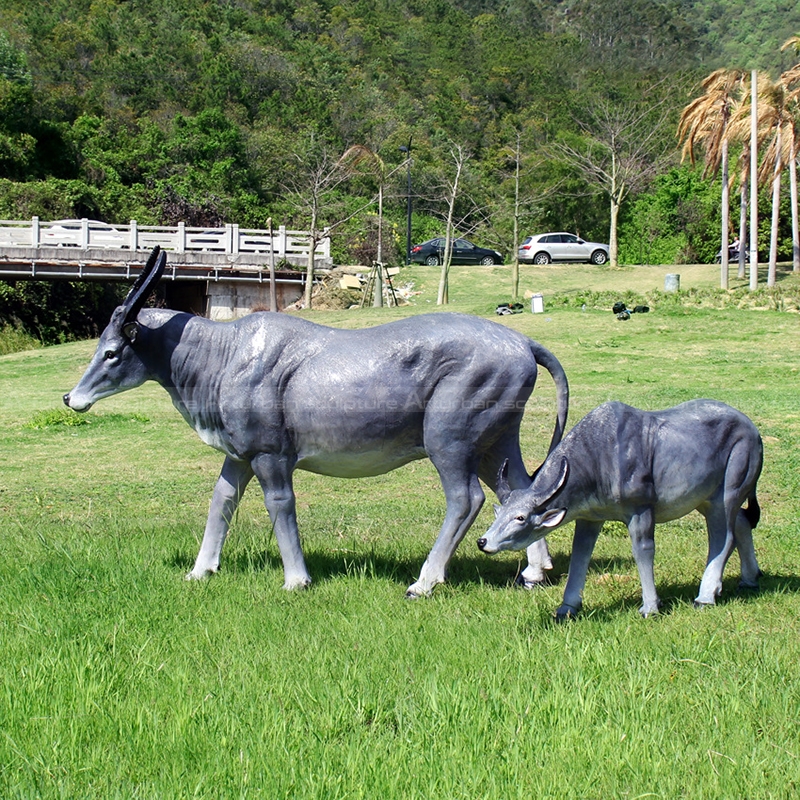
(121, 679)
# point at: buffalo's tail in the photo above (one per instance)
(544, 357)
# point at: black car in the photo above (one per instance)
(464, 252)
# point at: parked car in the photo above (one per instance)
(464, 252)
(68, 232)
(547, 247)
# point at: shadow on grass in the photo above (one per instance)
(468, 570)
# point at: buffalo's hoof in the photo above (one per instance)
(702, 604)
(745, 586)
(297, 585)
(565, 613)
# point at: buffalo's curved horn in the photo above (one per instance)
(145, 283)
(547, 493)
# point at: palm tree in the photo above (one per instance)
(706, 121)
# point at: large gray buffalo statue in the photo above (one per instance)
(275, 393)
(640, 468)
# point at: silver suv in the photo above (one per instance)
(547, 247)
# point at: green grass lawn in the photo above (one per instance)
(120, 679)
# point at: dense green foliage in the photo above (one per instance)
(167, 110)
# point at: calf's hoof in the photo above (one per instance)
(565, 613)
(749, 586)
(199, 574)
(521, 582)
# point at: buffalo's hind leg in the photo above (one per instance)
(232, 482)
(464, 496)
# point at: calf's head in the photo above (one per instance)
(526, 514)
(116, 365)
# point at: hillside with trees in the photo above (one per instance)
(207, 112)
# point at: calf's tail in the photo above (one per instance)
(546, 359)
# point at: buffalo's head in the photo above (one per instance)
(116, 366)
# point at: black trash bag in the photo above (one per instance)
(508, 308)
(618, 307)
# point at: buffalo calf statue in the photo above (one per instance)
(640, 468)
(275, 393)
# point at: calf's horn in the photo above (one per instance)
(549, 492)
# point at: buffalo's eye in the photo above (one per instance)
(521, 518)
(110, 354)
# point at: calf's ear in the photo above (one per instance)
(553, 518)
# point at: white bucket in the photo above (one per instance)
(672, 282)
(537, 304)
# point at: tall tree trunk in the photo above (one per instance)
(726, 218)
(312, 246)
(273, 291)
(776, 199)
(753, 180)
(443, 297)
(612, 233)
(793, 192)
(515, 245)
(742, 227)
(377, 300)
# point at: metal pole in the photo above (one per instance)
(407, 150)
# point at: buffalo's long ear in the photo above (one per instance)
(145, 283)
(503, 489)
(546, 493)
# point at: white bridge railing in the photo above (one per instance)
(230, 239)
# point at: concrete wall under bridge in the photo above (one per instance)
(215, 285)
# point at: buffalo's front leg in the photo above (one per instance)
(464, 500)
(232, 482)
(274, 473)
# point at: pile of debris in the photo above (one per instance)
(623, 313)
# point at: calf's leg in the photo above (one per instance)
(641, 528)
(720, 546)
(743, 534)
(232, 482)
(583, 542)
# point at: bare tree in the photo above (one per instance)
(312, 188)
(520, 163)
(359, 155)
(622, 148)
(459, 156)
